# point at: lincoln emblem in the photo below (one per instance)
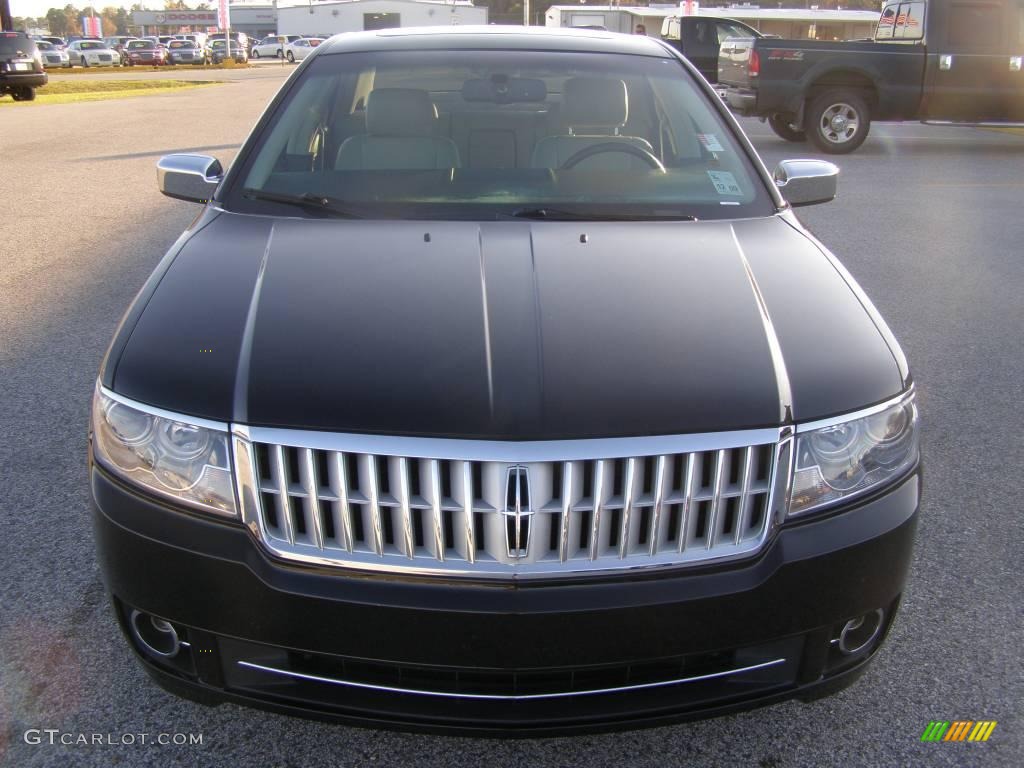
(517, 511)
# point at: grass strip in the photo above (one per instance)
(95, 90)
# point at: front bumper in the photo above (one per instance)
(483, 658)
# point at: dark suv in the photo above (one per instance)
(21, 68)
(498, 388)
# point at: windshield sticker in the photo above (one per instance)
(710, 142)
(725, 183)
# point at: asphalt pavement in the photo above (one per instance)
(929, 220)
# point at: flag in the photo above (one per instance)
(92, 26)
(223, 14)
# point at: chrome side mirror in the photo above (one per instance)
(189, 177)
(807, 182)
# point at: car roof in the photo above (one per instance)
(495, 37)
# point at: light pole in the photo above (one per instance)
(526, 13)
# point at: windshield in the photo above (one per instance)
(488, 134)
(181, 44)
(136, 44)
(92, 46)
(42, 45)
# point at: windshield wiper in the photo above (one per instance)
(306, 200)
(544, 213)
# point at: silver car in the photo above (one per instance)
(52, 55)
(93, 53)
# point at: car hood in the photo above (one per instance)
(503, 330)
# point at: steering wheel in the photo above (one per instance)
(613, 146)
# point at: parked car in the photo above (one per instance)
(119, 44)
(447, 413)
(218, 52)
(699, 38)
(146, 52)
(938, 61)
(199, 38)
(92, 53)
(59, 42)
(240, 38)
(301, 48)
(21, 66)
(185, 52)
(52, 55)
(272, 47)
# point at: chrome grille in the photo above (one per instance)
(422, 505)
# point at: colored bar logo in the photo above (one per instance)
(958, 730)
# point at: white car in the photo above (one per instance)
(93, 53)
(301, 48)
(51, 55)
(272, 47)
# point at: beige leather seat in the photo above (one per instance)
(594, 109)
(399, 135)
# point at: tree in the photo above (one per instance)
(57, 21)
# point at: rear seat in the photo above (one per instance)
(501, 137)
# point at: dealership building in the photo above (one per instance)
(789, 23)
(329, 18)
(254, 19)
(313, 17)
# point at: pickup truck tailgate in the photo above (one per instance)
(733, 58)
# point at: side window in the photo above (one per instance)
(975, 28)
(886, 23)
(910, 22)
(703, 32)
(725, 31)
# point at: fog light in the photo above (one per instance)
(857, 634)
(157, 636)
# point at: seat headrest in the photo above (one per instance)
(599, 102)
(400, 112)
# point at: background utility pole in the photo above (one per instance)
(526, 12)
(5, 15)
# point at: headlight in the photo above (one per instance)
(836, 462)
(184, 461)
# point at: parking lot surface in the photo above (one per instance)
(929, 221)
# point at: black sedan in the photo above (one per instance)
(185, 52)
(219, 52)
(498, 388)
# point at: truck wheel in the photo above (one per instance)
(24, 93)
(785, 129)
(837, 122)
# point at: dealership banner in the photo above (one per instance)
(223, 14)
(92, 26)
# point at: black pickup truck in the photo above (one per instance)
(938, 61)
(699, 39)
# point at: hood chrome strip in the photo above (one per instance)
(774, 348)
(241, 400)
(487, 322)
